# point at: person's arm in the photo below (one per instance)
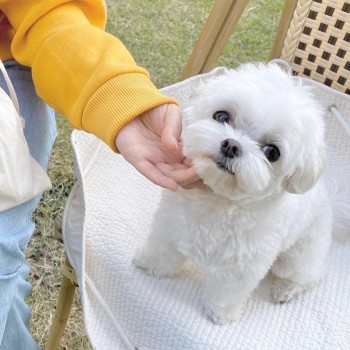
(83, 72)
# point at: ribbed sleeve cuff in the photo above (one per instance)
(118, 101)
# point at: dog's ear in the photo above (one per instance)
(307, 172)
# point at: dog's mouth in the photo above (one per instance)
(222, 165)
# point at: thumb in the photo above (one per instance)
(172, 127)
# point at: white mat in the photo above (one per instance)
(123, 308)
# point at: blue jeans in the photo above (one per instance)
(16, 225)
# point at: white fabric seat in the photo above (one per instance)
(107, 217)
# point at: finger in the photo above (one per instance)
(172, 127)
(156, 176)
(181, 174)
(196, 185)
(187, 162)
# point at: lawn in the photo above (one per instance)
(160, 34)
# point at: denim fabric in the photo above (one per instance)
(16, 225)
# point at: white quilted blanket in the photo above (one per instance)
(108, 215)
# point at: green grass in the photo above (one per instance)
(160, 34)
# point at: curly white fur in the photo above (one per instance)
(258, 216)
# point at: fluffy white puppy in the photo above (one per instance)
(256, 137)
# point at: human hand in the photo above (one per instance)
(150, 143)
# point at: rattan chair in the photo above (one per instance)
(312, 36)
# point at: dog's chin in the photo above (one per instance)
(226, 179)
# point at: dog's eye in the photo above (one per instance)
(221, 117)
(272, 153)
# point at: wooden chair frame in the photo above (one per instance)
(65, 299)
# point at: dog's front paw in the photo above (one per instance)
(223, 315)
(152, 266)
(283, 290)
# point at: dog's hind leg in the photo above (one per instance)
(302, 266)
(159, 258)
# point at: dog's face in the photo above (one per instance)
(254, 132)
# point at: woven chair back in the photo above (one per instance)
(317, 44)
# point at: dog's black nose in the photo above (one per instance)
(230, 148)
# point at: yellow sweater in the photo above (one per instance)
(80, 70)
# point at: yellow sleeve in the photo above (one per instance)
(80, 70)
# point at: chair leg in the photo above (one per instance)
(65, 301)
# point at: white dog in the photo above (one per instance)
(256, 138)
